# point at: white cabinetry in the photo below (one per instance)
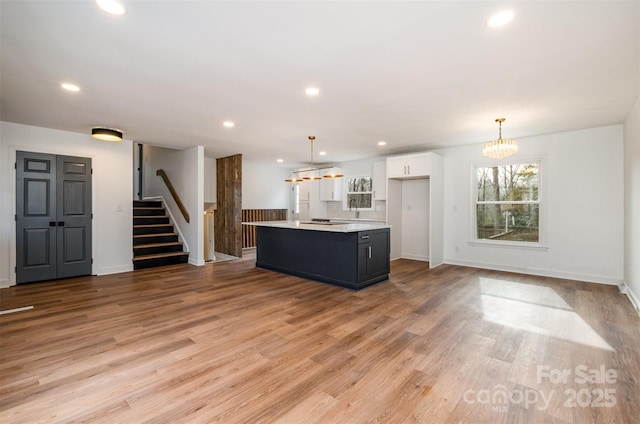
(331, 189)
(409, 166)
(379, 180)
(304, 191)
(413, 205)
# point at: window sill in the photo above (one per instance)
(509, 245)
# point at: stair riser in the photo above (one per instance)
(147, 204)
(153, 230)
(150, 221)
(147, 212)
(139, 251)
(151, 263)
(155, 239)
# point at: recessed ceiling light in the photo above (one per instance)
(69, 87)
(279, 160)
(228, 124)
(382, 143)
(113, 7)
(312, 91)
(322, 153)
(499, 19)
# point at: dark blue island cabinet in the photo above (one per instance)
(353, 256)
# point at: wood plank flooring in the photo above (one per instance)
(231, 343)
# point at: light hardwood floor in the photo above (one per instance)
(230, 343)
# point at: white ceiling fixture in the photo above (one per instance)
(500, 18)
(229, 124)
(312, 91)
(114, 7)
(279, 160)
(382, 143)
(70, 87)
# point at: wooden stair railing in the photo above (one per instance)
(174, 194)
(256, 215)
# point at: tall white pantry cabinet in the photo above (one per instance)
(415, 207)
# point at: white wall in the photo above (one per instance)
(263, 186)
(112, 195)
(585, 208)
(415, 217)
(185, 169)
(632, 203)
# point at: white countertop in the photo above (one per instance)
(333, 227)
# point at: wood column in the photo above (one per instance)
(228, 215)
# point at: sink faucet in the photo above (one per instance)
(353, 199)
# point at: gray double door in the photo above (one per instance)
(53, 216)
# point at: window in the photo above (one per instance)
(359, 193)
(508, 203)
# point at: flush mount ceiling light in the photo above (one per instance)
(500, 19)
(113, 7)
(106, 134)
(502, 147)
(228, 124)
(382, 143)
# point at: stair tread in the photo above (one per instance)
(159, 255)
(150, 216)
(152, 225)
(155, 208)
(155, 235)
(167, 243)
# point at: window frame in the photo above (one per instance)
(542, 243)
(346, 192)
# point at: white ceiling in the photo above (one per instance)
(418, 75)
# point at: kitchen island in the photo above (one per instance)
(353, 256)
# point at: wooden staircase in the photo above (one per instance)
(154, 241)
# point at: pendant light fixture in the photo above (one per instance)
(314, 173)
(311, 174)
(106, 134)
(502, 147)
(333, 172)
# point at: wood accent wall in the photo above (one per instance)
(228, 216)
(257, 215)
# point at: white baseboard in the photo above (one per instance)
(589, 278)
(414, 257)
(5, 283)
(196, 262)
(635, 301)
(115, 269)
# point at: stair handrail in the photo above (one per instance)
(174, 194)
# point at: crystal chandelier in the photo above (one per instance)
(502, 147)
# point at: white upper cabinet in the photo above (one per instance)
(304, 193)
(409, 166)
(379, 180)
(331, 189)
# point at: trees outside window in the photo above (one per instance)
(508, 203)
(359, 193)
